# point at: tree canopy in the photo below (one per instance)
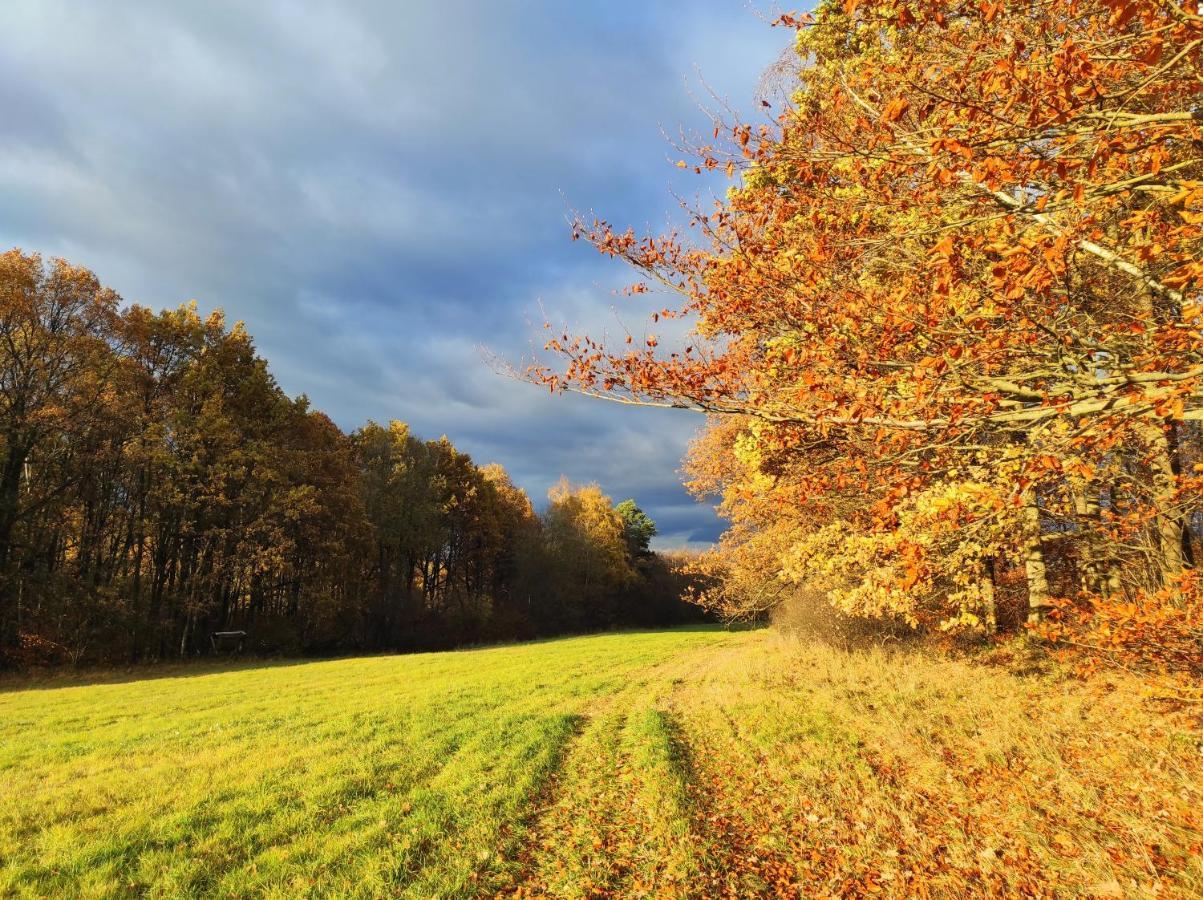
(947, 321)
(637, 526)
(157, 486)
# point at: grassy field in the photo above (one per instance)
(693, 762)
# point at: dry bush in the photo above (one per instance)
(807, 614)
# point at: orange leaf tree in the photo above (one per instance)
(950, 314)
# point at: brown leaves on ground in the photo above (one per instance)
(805, 770)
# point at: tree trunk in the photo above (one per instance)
(10, 497)
(1167, 524)
(184, 636)
(989, 604)
(1039, 596)
(1098, 575)
(1174, 442)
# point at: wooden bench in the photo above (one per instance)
(227, 640)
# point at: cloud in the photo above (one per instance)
(378, 190)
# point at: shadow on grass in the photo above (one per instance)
(55, 679)
(718, 840)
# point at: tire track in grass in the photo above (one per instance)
(445, 852)
(759, 833)
(516, 848)
(722, 788)
(775, 833)
(569, 828)
(781, 813)
(620, 824)
(658, 750)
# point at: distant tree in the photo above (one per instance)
(513, 532)
(56, 375)
(587, 552)
(637, 526)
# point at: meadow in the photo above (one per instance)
(696, 762)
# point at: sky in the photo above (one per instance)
(379, 190)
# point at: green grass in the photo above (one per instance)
(690, 762)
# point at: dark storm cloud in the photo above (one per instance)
(378, 190)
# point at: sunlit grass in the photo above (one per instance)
(878, 771)
(694, 762)
(361, 776)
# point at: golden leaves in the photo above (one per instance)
(969, 256)
(895, 109)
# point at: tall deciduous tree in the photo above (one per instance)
(587, 554)
(951, 309)
(56, 371)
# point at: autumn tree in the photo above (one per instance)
(513, 565)
(56, 369)
(950, 310)
(587, 558)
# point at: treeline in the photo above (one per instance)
(950, 324)
(157, 487)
